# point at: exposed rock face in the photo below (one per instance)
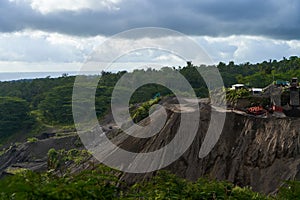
(33, 155)
(251, 151)
(257, 152)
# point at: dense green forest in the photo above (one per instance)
(47, 101)
(104, 183)
(101, 182)
(29, 105)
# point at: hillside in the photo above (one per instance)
(251, 151)
(37, 132)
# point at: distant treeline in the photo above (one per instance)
(260, 74)
(48, 100)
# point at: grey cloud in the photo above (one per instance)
(28, 49)
(270, 18)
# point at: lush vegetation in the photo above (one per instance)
(32, 139)
(104, 183)
(60, 160)
(101, 182)
(14, 116)
(290, 190)
(30, 104)
(142, 111)
(48, 101)
(260, 74)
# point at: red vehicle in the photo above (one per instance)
(256, 110)
(277, 109)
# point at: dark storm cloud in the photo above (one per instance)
(271, 18)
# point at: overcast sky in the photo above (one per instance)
(59, 35)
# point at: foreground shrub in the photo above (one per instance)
(104, 183)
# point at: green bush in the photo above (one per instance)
(169, 186)
(143, 110)
(32, 139)
(232, 95)
(162, 186)
(14, 116)
(290, 190)
(56, 108)
(57, 159)
(96, 184)
(104, 183)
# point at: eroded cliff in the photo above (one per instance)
(256, 152)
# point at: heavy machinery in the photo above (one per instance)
(279, 92)
(273, 92)
(294, 82)
(294, 93)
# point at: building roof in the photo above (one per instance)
(238, 85)
(257, 89)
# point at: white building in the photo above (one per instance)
(257, 91)
(237, 86)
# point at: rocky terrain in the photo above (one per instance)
(33, 155)
(257, 152)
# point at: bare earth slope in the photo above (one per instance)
(257, 152)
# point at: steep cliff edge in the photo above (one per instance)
(251, 151)
(256, 152)
(33, 155)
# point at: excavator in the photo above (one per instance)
(274, 92)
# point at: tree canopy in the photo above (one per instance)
(14, 115)
(52, 97)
